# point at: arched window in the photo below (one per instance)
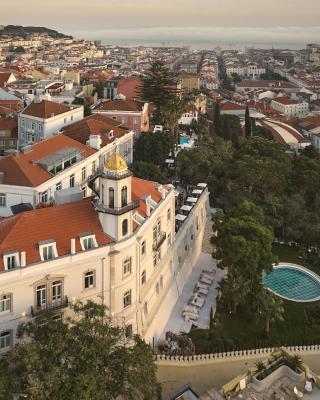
(124, 227)
(124, 196)
(111, 197)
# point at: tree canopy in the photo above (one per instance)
(83, 357)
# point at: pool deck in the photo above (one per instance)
(176, 322)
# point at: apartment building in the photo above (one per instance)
(290, 108)
(41, 119)
(130, 113)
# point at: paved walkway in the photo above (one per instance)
(176, 323)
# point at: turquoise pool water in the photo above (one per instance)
(184, 140)
(292, 284)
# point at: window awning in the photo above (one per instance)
(192, 199)
(186, 208)
(180, 217)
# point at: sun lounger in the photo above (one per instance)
(204, 280)
(190, 309)
(191, 317)
(209, 271)
(208, 276)
(202, 285)
(203, 291)
(198, 302)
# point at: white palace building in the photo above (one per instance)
(121, 248)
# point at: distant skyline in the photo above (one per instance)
(228, 22)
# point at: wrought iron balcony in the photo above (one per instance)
(159, 242)
(115, 210)
(54, 305)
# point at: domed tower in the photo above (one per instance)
(115, 206)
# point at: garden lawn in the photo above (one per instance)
(241, 331)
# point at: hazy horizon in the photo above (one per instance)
(234, 22)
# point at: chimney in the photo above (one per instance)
(23, 261)
(73, 246)
(95, 142)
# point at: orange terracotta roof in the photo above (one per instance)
(129, 87)
(231, 106)
(120, 105)
(46, 109)
(23, 232)
(95, 124)
(285, 101)
(141, 187)
(22, 169)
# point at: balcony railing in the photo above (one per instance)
(54, 305)
(115, 175)
(115, 210)
(159, 242)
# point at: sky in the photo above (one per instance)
(233, 22)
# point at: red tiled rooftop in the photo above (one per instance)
(23, 232)
(285, 101)
(95, 124)
(21, 170)
(46, 109)
(120, 105)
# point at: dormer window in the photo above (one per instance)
(48, 250)
(88, 241)
(11, 261)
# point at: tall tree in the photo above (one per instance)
(269, 307)
(217, 120)
(243, 243)
(226, 129)
(247, 124)
(84, 357)
(158, 87)
(153, 147)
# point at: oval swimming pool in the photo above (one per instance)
(293, 282)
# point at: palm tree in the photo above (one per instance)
(295, 362)
(234, 290)
(269, 307)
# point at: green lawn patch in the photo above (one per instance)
(242, 331)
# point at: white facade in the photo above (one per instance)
(187, 117)
(291, 109)
(75, 175)
(34, 129)
(131, 275)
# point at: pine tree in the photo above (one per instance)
(158, 87)
(226, 132)
(217, 120)
(235, 140)
(247, 124)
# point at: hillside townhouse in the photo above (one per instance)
(130, 113)
(41, 119)
(290, 108)
(120, 249)
(38, 172)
